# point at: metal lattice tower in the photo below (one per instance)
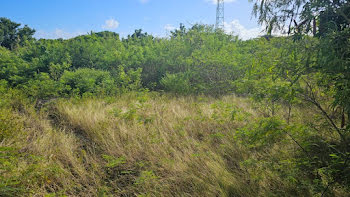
(220, 14)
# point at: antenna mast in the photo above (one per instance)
(220, 14)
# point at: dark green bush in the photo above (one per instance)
(262, 133)
(12, 68)
(177, 83)
(43, 87)
(87, 81)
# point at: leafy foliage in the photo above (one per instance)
(87, 81)
(12, 36)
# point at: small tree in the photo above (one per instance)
(12, 35)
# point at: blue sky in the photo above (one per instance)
(68, 18)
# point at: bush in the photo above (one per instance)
(176, 83)
(130, 80)
(263, 133)
(87, 81)
(9, 125)
(22, 174)
(3, 86)
(42, 87)
(12, 68)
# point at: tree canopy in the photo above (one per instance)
(11, 35)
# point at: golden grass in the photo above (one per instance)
(164, 134)
(146, 145)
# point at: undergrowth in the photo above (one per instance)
(148, 144)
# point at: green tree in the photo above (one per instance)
(12, 35)
(13, 69)
(326, 73)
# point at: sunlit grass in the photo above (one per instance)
(145, 144)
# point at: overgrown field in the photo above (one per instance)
(147, 144)
(198, 113)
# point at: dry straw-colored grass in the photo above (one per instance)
(143, 144)
(172, 138)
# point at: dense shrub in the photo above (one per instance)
(128, 81)
(43, 87)
(177, 83)
(87, 81)
(13, 69)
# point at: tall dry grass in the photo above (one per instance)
(169, 146)
(143, 145)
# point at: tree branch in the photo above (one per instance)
(312, 99)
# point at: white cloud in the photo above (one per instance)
(236, 28)
(58, 33)
(215, 1)
(111, 24)
(169, 27)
